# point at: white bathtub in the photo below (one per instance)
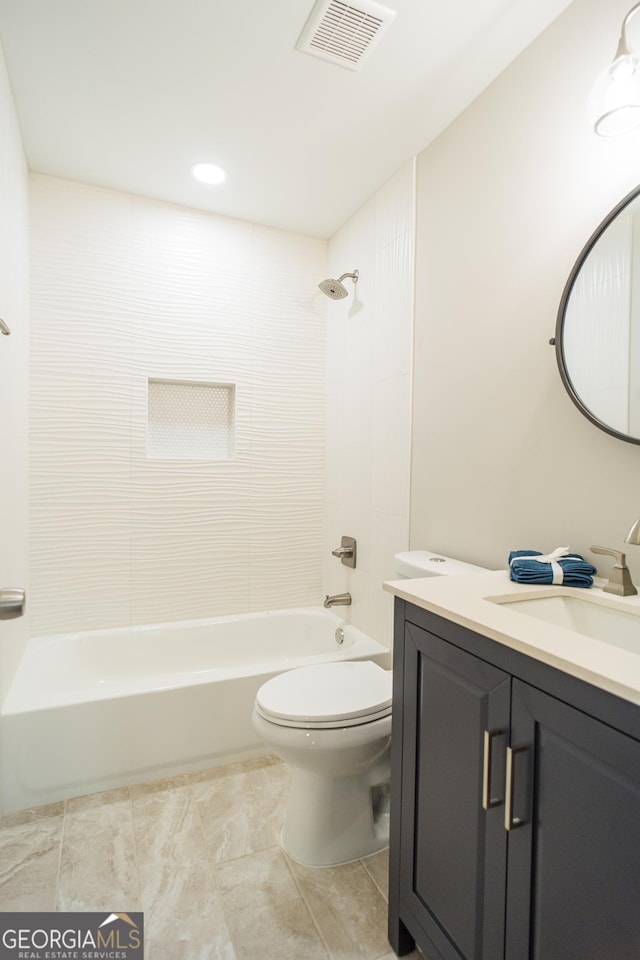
(88, 712)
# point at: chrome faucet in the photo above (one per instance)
(619, 582)
(338, 600)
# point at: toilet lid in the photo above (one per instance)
(344, 693)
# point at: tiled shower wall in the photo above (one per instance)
(125, 290)
(14, 376)
(368, 414)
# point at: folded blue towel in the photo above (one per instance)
(569, 569)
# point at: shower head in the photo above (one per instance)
(335, 289)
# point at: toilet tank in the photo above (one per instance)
(423, 563)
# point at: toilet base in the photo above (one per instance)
(333, 820)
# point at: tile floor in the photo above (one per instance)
(199, 855)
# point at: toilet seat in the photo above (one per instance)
(327, 695)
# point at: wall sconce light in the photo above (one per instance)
(614, 103)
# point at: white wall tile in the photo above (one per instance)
(125, 289)
(389, 535)
(356, 494)
(391, 446)
(138, 289)
(395, 210)
(14, 376)
(369, 360)
(393, 326)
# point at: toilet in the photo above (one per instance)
(331, 724)
(422, 563)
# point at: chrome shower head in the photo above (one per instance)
(335, 289)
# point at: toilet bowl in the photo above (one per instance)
(331, 723)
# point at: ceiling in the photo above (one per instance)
(128, 94)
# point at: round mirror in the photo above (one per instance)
(598, 330)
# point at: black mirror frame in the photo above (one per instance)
(558, 340)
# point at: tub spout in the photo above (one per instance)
(338, 600)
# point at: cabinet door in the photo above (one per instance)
(453, 849)
(573, 889)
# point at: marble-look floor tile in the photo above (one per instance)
(99, 801)
(263, 762)
(183, 912)
(347, 907)
(167, 826)
(377, 867)
(242, 808)
(180, 899)
(191, 949)
(267, 917)
(159, 786)
(31, 814)
(144, 848)
(29, 864)
(98, 869)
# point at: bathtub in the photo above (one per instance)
(91, 711)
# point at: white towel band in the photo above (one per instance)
(552, 558)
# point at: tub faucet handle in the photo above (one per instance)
(346, 552)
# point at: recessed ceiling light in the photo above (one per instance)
(208, 173)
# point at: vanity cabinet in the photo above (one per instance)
(515, 804)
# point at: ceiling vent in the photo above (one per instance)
(344, 33)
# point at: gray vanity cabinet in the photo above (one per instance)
(573, 890)
(477, 740)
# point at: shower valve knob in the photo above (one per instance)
(346, 552)
(12, 600)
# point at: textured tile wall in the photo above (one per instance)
(125, 289)
(368, 412)
(14, 376)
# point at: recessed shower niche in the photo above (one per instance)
(190, 420)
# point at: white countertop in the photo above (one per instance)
(473, 601)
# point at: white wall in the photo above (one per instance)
(124, 289)
(14, 376)
(508, 195)
(368, 414)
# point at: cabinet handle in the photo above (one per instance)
(487, 800)
(511, 822)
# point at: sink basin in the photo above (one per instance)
(619, 628)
